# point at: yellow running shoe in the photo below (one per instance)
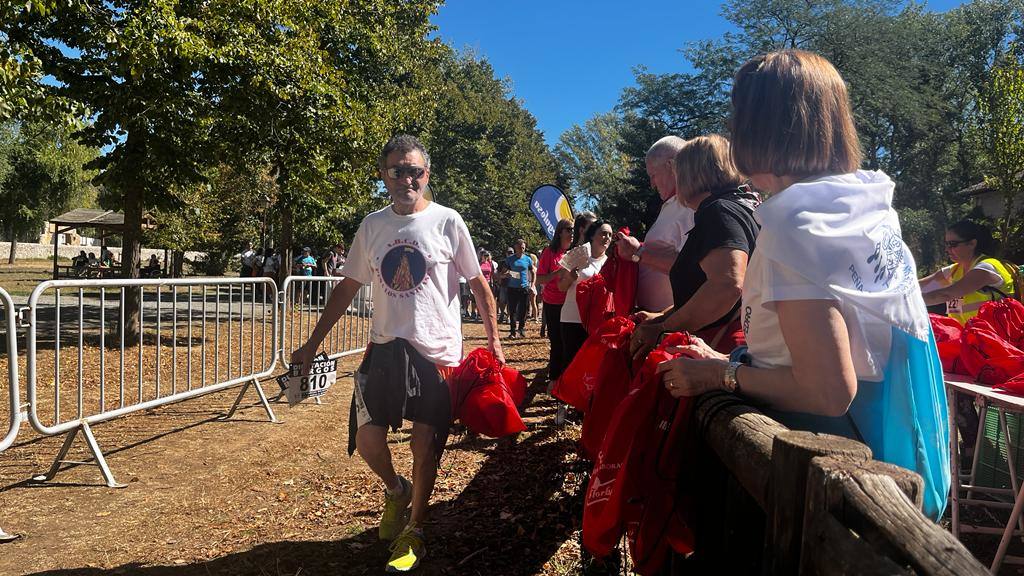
(396, 512)
(407, 550)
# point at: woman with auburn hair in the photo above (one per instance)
(837, 331)
(707, 276)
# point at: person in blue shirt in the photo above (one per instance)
(519, 272)
(305, 264)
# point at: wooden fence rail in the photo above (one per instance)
(778, 501)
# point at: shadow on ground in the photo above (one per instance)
(511, 519)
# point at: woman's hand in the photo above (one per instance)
(685, 377)
(644, 339)
(698, 349)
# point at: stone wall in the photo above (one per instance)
(29, 251)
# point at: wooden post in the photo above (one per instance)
(864, 518)
(792, 452)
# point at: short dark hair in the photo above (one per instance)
(791, 116)
(593, 228)
(970, 230)
(403, 143)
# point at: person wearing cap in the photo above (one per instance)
(305, 264)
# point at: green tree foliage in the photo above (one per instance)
(487, 155)
(592, 159)
(41, 176)
(915, 78)
(1002, 135)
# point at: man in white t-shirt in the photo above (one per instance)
(413, 253)
(666, 237)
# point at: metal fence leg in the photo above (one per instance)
(263, 400)
(5, 537)
(98, 460)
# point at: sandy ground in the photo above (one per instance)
(246, 496)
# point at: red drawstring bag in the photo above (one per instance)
(629, 488)
(515, 382)
(481, 397)
(621, 277)
(577, 382)
(595, 303)
(986, 356)
(614, 375)
(947, 338)
(1006, 317)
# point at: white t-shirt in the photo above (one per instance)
(767, 282)
(570, 311)
(414, 263)
(997, 280)
(654, 291)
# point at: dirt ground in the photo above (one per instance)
(245, 496)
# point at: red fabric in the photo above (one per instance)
(612, 385)
(986, 356)
(515, 382)
(1006, 317)
(547, 264)
(947, 338)
(730, 340)
(483, 395)
(595, 303)
(621, 277)
(577, 382)
(633, 486)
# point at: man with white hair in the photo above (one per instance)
(666, 236)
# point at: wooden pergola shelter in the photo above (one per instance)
(105, 221)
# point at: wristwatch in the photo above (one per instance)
(636, 256)
(729, 380)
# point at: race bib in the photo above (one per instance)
(322, 375)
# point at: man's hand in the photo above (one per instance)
(494, 346)
(303, 356)
(626, 246)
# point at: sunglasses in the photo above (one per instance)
(398, 172)
(955, 243)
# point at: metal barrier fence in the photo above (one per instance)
(303, 299)
(14, 416)
(192, 337)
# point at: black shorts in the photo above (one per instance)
(394, 383)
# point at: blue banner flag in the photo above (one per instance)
(550, 205)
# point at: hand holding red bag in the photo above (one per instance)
(484, 395)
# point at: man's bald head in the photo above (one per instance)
(659, 165)
(665, 148)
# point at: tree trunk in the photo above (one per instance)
(286, 226)
(14, 246)
(130, 260)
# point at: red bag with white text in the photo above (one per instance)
(633, 486)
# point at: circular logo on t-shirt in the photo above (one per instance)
(403, 268)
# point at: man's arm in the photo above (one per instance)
(487, 307)
(654, 255)
(339, 301)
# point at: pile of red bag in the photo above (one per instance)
(989, 348)
(638, 437)
(485, 395)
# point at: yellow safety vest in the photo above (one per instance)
(966, 307)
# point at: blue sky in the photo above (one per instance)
(570, 59)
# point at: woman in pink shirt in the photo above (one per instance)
(553, 298)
